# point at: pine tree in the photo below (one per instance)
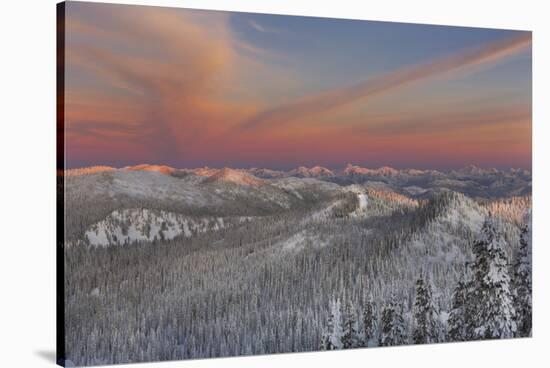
(332, 337)
(349, 337)
(522, 282)
(489, 299)
(392, 325)
(425, 314)
(369, 322)
(458, 319)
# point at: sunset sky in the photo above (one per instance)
(190, 88)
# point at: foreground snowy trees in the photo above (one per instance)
(369, 323)
(522, 289)
(490, 308)
(392, 325)
(492, 299)
(332, 337)
(350, 338)
(457, 322)
(243, 289)
(491, 304)
(425, 314)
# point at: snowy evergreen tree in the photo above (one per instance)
(369, 322)
(489, 296)
(458, 318)
(522, 282)
(349, 336)
(332, 337)
(392, 329)
(425, 314)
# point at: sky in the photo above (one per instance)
(191, 88)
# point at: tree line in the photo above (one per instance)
(491, 300)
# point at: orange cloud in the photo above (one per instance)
(312, 105)
(153, 75)
(160, 85)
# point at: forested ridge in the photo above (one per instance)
(270, 284)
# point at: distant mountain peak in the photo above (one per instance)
(314, 172)
(358, 170)
(234, 176)
(474, 170)
(167, 170)
(386, 170)
(351, 167)
(266, 173)
(88, 170)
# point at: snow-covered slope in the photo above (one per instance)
(266, 173)
(239, 177)
(362, 200)
(471, 180)
(314, 172)
(93, 194)
(453, 221)
(157, 168)
(132, 225)
(88, 170)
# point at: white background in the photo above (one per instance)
(27, 181)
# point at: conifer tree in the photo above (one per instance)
(332, 337)
(349, 336)
(392, 329)
(522, 282)
(489, 299)
(425, 314)
(458, 319)
(369, 322)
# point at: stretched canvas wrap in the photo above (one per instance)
(239, 184)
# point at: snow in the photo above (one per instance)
(466, 213)
(382, 171)
(88, 170)
(132, 225)
(296, 241)
(443, 317)
(441, 237)
(314, 172)
(323, 213)
(337, 331)
(302, 240)
(235, 176)
(362, 200)
(225, 187)
(166, 170)
(293, 183)
(471, 180)
(266, 173)
(156, 185)
(318, 254)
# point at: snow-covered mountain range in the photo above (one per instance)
(471, 180)
(185, 198)
(261, 253)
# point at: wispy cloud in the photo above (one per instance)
(319, 103)
(167, 77)
(455, 122)
(262, 28)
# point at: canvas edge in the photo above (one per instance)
(60, 184)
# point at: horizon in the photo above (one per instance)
(191, 88)
(288, 169)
